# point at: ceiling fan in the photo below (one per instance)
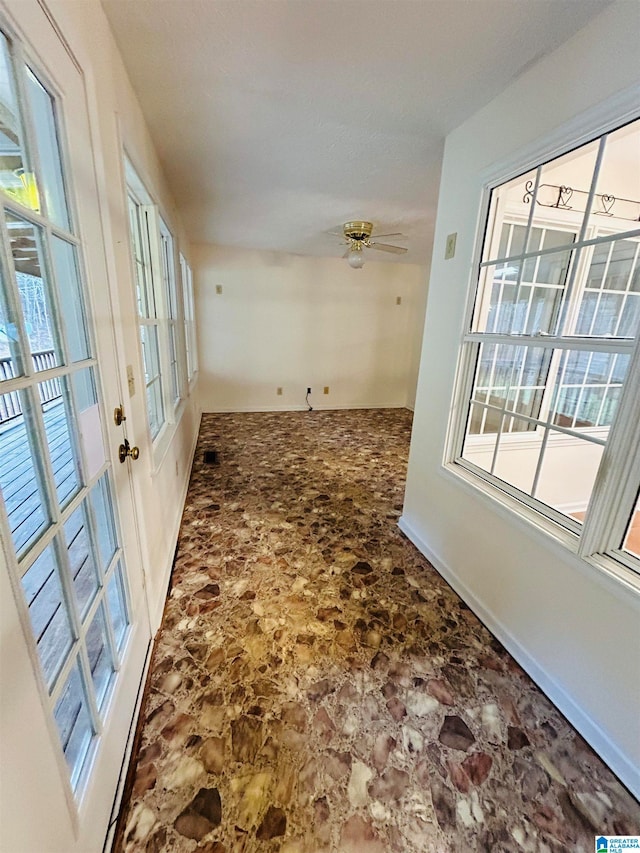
(358, 237)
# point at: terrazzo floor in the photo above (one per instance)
(316, 686)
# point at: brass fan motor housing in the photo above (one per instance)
(359, 231)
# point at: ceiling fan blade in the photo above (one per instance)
(385, 247)
(397, 234)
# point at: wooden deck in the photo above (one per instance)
(22, 495)
(41, 583)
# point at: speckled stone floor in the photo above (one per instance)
(316, 686)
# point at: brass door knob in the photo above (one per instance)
(126, 450)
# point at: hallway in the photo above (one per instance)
(316, 686)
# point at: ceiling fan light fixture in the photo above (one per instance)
(356, 257)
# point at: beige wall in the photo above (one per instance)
(543, 602)
(295, 322)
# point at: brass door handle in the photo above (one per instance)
(126, 450)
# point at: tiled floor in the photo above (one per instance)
(317, 687)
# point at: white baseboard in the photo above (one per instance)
(126, 758)
(626, 771)
(316, 408)
(158, 608)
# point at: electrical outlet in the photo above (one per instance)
(218, 289)
(279, 391)
(398, 300)
(308, 390)
(450, 248)
(326, 389)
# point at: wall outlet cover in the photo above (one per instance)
(218, 289)
(326, 389)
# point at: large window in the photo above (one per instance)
(159, 310)
(550, 376)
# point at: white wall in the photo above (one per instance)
(289, 321)
(543, 603)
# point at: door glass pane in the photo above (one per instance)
(10, 361)
(44, 124)
(70, 297)
(48, 612)
(15, 178)
(54, 397)
(74, 723)
(102, 507)
(89, 420)
(99, 656)
(35, 292)
(632, 537)
(117, 607)
(84, 573)
(21, 483)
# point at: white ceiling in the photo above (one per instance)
(277, 120)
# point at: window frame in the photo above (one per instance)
(599, 539)
(190, 332)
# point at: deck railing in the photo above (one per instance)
(49, 389)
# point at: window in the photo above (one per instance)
(189, 318)
(57, 517)
(141, 227)
(171, 300)
(550, 368)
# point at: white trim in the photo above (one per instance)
(301, 408)
(156, 608)
(126, 757)
(627, 772)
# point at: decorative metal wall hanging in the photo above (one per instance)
(552, 195)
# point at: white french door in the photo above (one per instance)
(75, 628)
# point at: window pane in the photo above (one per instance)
(35, 292)
(610, 306)
(20, 478)
(74, 723)
(56, 412)
(48, 612)
(568, 472)
(70, 297)
(117, 606)
(15, 177)
(138, 224)
(151, 359)
(632, 537)
(10, 360)
(102, 507)
(99, 656)
(588, 388)
(618, 181)
(44, 124)
(81, 559)
(513, 378)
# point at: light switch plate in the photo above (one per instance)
(450, 248)
(130, 380)
(218, 289)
